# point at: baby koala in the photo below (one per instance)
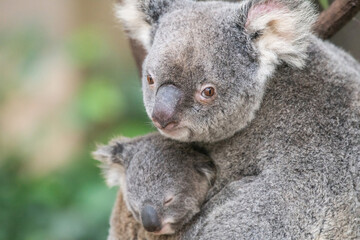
(164, 182)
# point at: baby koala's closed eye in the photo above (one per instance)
(164, 182)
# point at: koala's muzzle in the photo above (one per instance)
(167, 101)
(150, 220)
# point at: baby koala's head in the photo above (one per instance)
(164, 182)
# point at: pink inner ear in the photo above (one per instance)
(262, 9)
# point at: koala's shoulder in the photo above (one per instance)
(329, 73)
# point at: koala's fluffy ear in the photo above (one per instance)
(138, 16)
(280, 30)
(113, 162)
(207, 169)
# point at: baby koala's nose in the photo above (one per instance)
(150, 219)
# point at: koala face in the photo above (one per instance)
(197, 94)
(207, 64)
(164, 182)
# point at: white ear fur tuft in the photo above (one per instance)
(210, 175)
(114, 173)
(102, 154)
(134, 21)
(283, 27)
(208, 170)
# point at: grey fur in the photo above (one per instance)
(301, 155)
(151, 169)
(290, 171)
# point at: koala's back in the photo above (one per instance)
(293, 173)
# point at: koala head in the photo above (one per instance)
(207, 64)
(164, 182)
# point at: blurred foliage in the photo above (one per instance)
(20, 50)
(324, 3)
(72, 202)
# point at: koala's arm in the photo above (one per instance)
(263, 207)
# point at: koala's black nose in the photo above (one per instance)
(150, 219)
(167, 101)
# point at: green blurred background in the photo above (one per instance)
(67, 81)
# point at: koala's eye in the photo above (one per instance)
(208, 92)
(150, 79)
(168, 201)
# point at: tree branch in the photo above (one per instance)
(335, 17)
(330, 22)
(138, 52)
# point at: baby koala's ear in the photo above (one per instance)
(206, 168)
(114, 161)
(280, 29)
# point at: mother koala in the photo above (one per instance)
(275, 107)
